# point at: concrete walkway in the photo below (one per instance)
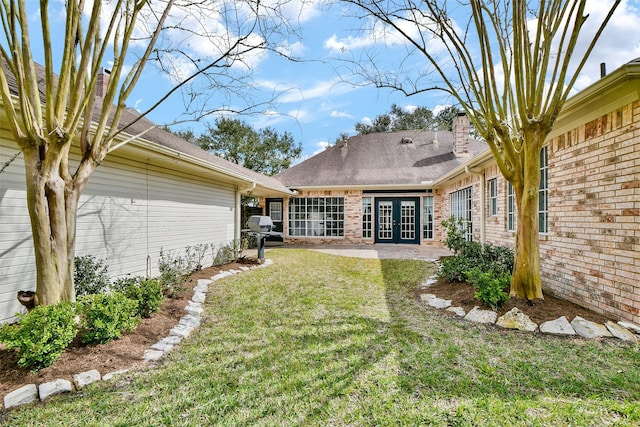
(379, 251)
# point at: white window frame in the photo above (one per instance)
(493, 197)
(316, 217)
(511, 208)
(427, 218)
(462, 208)
(367, 217)
(275, 214)
(543, 193)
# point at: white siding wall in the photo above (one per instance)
(128, 212)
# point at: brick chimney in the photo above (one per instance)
(103, 82)
(461, 135)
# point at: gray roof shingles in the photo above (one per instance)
(381, 159)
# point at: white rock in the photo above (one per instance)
(199, 297)
(85, 378)
(46, 390)
(589, 329)
(22, 396)
(427, 297)
(243, 268)
(194, 310)
(629, 325)
(152, 355)
(457, 310)
(181, 331)
(516, 319)
(620, 332)
(560, 326)
(162, 346)
(190, 320)
(430, 281)
(235, 271)
(220, 275)
(439, 303)
(202, 286)
(481, 316)
(108, 376)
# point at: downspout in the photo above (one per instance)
(467, 169)
(238, 217)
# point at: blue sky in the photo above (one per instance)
(315, 106)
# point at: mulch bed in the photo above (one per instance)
(539, 311)
(124, 353)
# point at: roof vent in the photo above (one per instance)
(406, 140)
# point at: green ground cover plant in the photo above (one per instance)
(317, 340)
(105, 317)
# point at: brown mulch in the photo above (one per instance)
(124, 353)
(539, 311)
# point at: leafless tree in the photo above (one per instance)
(510, 65)
(50, 107)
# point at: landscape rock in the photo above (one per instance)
(199, 297)
(203, 285)
(220, 275)
(181, 330)
(620, 332)
(167, 343)
(439, 303)
(194, 309)
(243, 268)
(516, 319)
(232, 271)
(430, 281)
(46, 390)
(83, 379)
(481, 316)
(108, 376)
(190, 320)
(427, 297)
(632, 326)
(457, 310)
(22, 396)
(560, 326)
(588, 329)
(152, 355)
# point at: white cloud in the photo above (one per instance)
(341, 114)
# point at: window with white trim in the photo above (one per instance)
(316, 217)
(427, 217)
(493, 197)
(275, 211)
(511, 208)
(462, 208)
(543, 194)
(367, 222)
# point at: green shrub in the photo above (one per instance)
(148, 293)
(491, 288)
(106, 316)
(225, 254)
(41, 335)
(90, 275)
(456, 234)
(174, 270)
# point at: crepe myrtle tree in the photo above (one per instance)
(53, 106)
(510, 65)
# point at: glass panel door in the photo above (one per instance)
(385, 220)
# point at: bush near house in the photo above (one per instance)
(487, 267)
(104, 317)
(90, 275)
(148, 293)
(41, 335)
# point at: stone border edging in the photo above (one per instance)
(188, 323)
(516, 319)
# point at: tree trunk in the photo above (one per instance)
(526, 282)
(52, 211)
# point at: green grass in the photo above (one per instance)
(323, 340)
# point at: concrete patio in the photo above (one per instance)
(380, 251)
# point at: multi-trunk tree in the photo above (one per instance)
(511, 65)
(53, 108)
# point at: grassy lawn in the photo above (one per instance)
(322, 340)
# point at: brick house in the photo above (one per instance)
(398, 187)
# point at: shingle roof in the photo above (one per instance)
(166, 139)
(381, 159)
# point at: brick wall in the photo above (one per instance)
(593, 253)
